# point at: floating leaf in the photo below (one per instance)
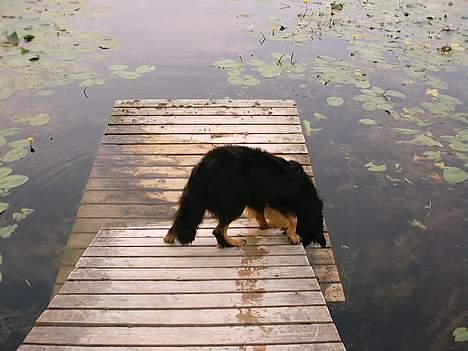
(6, 232)
(13, 38)
(460, 334)
(371, 166)
(145, 69)
(336, 5)
(433, 155)
(455, 175)
(28, 37)
(417, 224)
(20, 216)
(319, 116)
(395, 93)
(12, 181)
(14, 155)
(423, 139)
(308, 128)
(3, 207)
(3, 141)
(38, 120)
(9, 132)
(405, 131)
(90, 82)
(45, 93)
(335, 101)
(22, 143)
(127, 74)
(459, 146)
(368, 122)
(4, 171)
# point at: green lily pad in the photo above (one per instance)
(269, 71)
(459, 146)
(308, 128)
(38, 120)
(145, 69)
(3, 141)
(371, 166)
(395, 93)
(4, 171)
(20, 216)
(13, 38)
(45, 93)
(320, 116)
(118, 67)
(12, 181)
(368, 122)
(9, 132)
(235, 80)
(250, 80)
(335, 101)
(460, 334)
(22, 143)
(405, 131)
(3, 207)
(14, 155)
(417, 224)
(423, 139)
(433, 155)
(7, 231)
(90, 82)
(127, 74)
(455, 175)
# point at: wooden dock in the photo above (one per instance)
(148, 150)
(125, 289)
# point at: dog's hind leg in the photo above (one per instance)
(291, 231)
(259, 217)
(222, 237)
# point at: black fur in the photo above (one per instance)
(229, 178)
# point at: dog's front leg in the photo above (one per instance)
(223, 239)
(291, 231)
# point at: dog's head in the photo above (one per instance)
(309, 208)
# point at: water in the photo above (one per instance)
(403, 284)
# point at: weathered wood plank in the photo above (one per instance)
(202, 232)
(171, 160)
(130, 129)
(181, 301)
(333, 292)
(189, 287)
(122, 211)
(203, 120)
(292, 138)
(135, 184)
(197, 103)
(327, 273)
(334, 346)
(193, 262)
(190, 274)
(188, 251)
(167, 336)
(191, 149)
(187, 318)
(204, 111)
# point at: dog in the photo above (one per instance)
(230, 178)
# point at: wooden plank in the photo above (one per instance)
(205, 111)
(327, 273)
(189, 287)
(130, 129)
(199, 242)
(333, 346)
(122, 211)
(203, 120)
(169, 336)
(170, 160)
(187, 318)
(135, 184)
(191, 149)
(188, 251)
(202, 232)
(197, 103)
(291, 138)
(190, 274)
(193, 262)
(333, 292)
(184, 301)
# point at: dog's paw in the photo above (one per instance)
(264, 226)
(295, 239)
(169, 238)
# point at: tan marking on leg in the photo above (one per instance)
(291, 231)
(231, 241)
(170, 238)
(258, 216)
(276, 218)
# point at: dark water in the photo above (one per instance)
(404, 285)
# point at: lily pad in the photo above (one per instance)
(423, 139)
(368, 122)
(418, 224)
(433, 155)
(371, 166)
(395, 93)
(308, 128)
(14, 155)
(455, 175)
(3, 207)
(460, 334)
(4, 171)
(22, 143)
(13, 38)
(127, 74)
(320, 116)
(7, 231)
(20, 216)
(335, 101)
(145, 69)
(38, 120)
(12, 181)
(3, 141)
(9, 132)
(405, 131)
(118, 67)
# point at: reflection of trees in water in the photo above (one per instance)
(15, 324)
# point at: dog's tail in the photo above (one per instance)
(191, 208)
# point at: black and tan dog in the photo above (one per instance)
(230, 178)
